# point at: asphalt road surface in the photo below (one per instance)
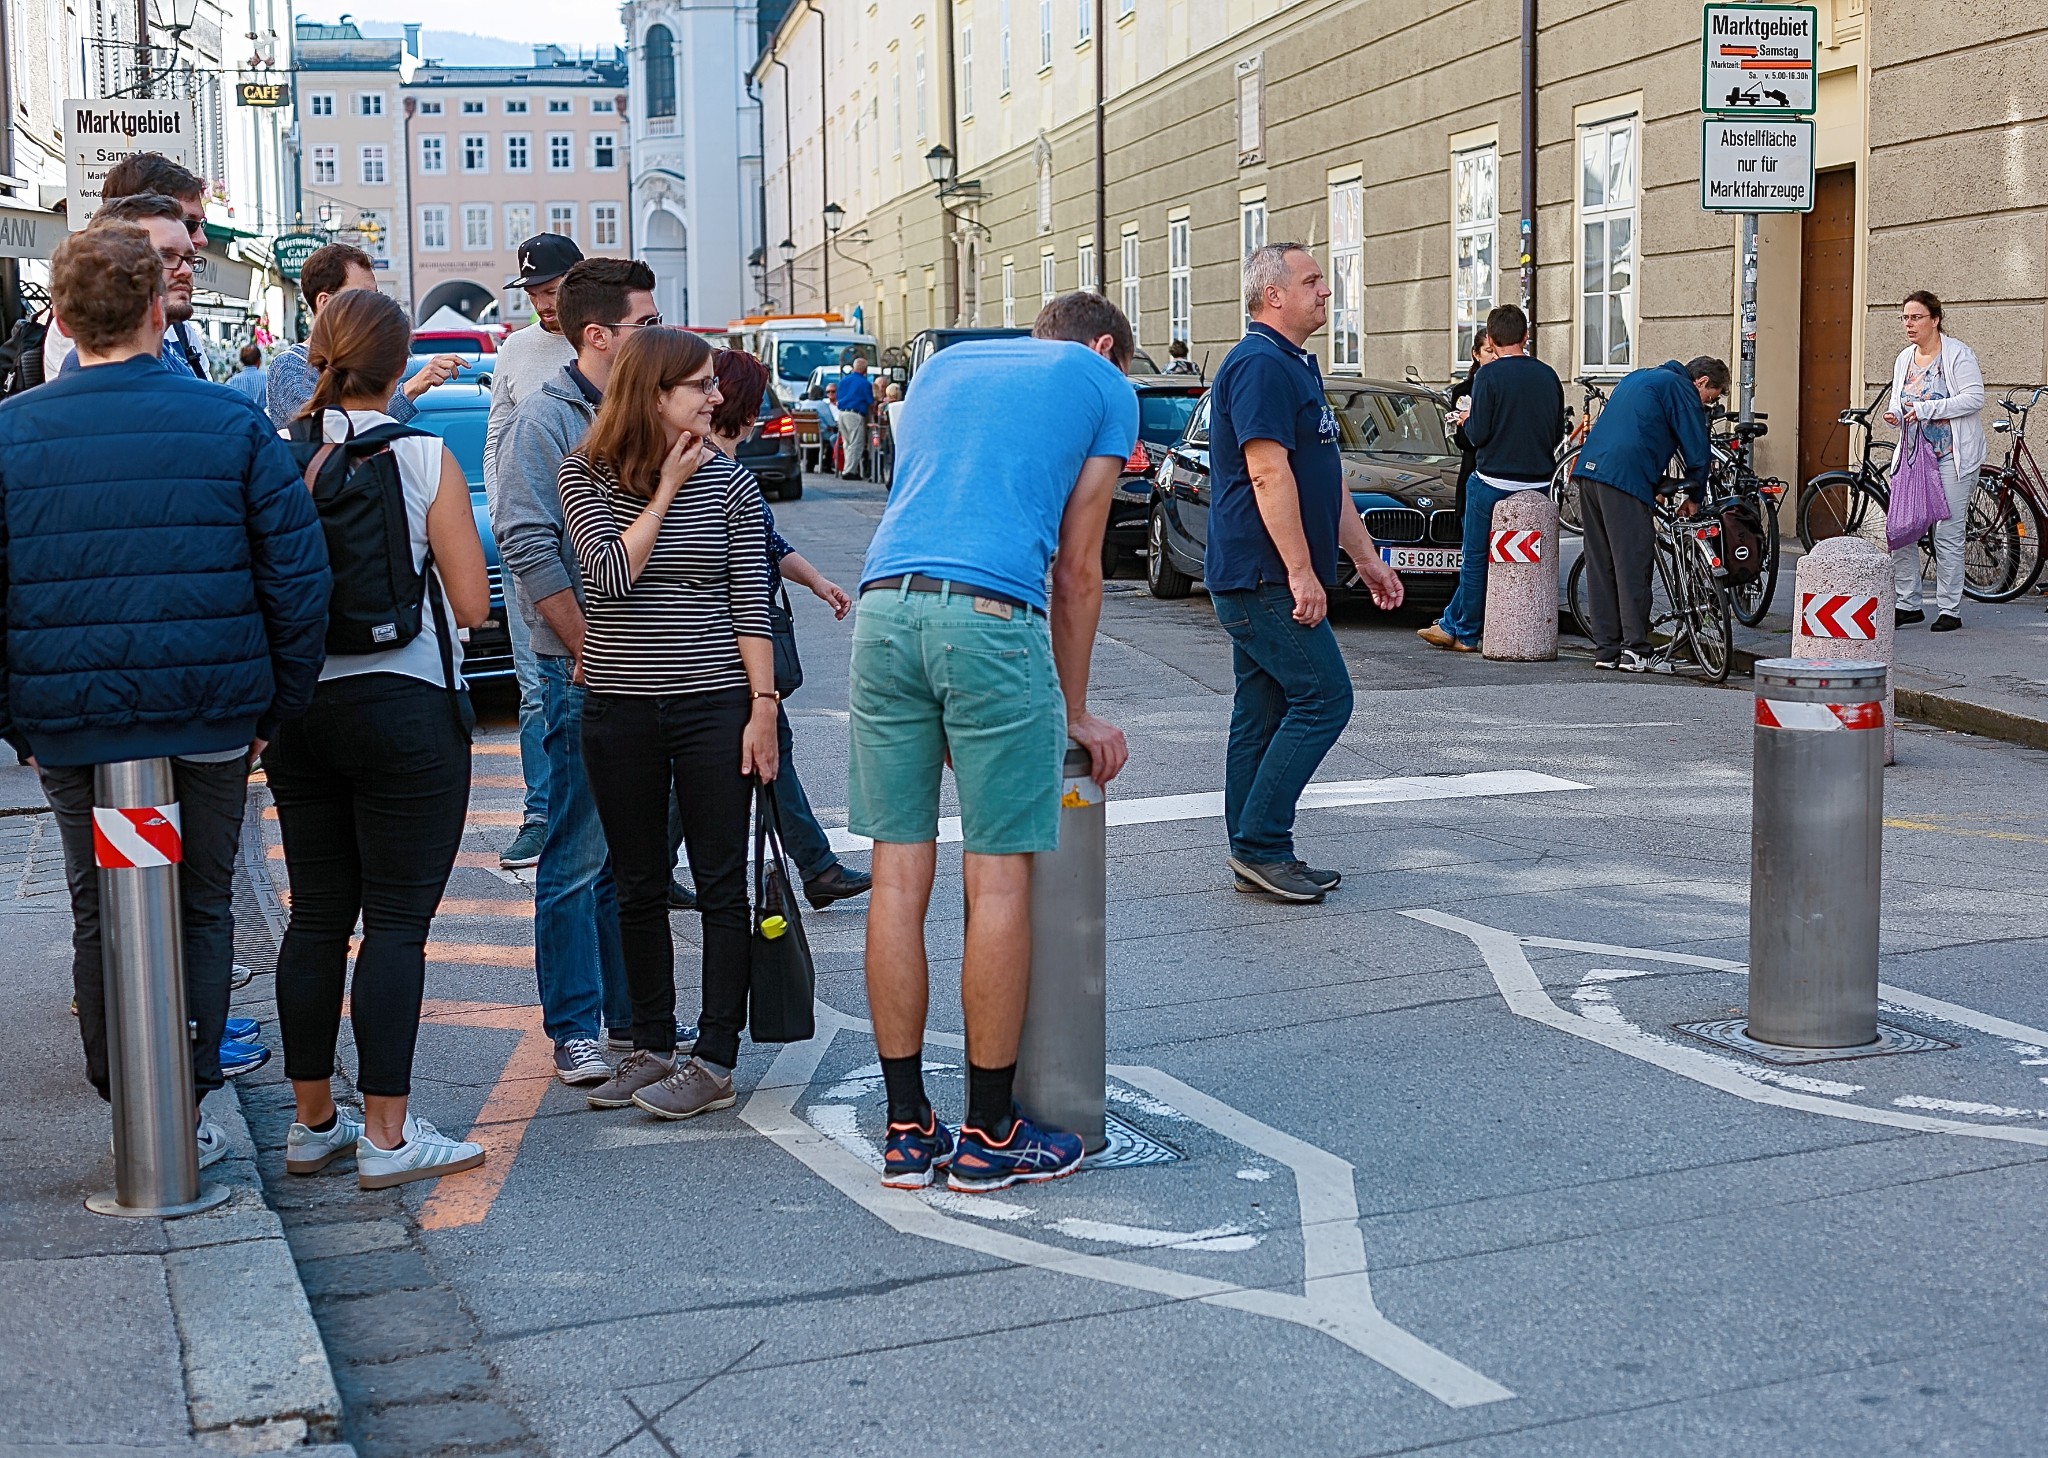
(1391, 1177)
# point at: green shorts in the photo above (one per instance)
(930, 675)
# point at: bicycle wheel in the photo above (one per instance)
(2001, 541)
(1838, 505)
(1702, 622)
(1564, 494)
(1575, 597)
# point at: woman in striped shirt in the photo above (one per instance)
(678, 663)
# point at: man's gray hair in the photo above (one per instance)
(1265, 267)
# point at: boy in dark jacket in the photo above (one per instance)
(1652, 415)
(163, 593)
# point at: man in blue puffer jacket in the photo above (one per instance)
(164, 582)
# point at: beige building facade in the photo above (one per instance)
(1388, 135)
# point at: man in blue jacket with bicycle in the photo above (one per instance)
(1652, 415)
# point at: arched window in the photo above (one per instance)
(661, 72)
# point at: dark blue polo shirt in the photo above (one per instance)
(1267, 389)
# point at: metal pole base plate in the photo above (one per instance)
(108, 1204)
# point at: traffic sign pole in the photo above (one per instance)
(1748, 399)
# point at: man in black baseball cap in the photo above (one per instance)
(528, 359)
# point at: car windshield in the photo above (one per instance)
(1163, 416)
(1389, 423)
(796, 358)
(462, 431)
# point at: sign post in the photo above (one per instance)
(99, 133)
(1757, 87)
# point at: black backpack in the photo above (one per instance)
(1742, 540)
(21, 357)
(379, 598)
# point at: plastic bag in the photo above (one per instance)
(1917, 498)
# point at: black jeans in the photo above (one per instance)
(210, 800)
(636, 750)
(1621, 542)
(802, 836)
(372, 787)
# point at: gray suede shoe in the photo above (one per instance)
(694, 1088)
(635, 1071)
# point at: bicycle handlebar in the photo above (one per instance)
(2032, 400)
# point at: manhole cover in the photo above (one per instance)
(1731, 1033)
(1128, 1146)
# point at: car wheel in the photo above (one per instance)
(1111, 559)
(791, 489)
(1161, 576)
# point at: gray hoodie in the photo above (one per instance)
(526, 509)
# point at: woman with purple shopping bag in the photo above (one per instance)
(1938, 393)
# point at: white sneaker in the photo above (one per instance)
(308, 1151)
(213, 1144)
(427, 1154)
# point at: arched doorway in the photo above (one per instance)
(667, 251)
(470, 300)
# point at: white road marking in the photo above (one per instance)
(1260, 1176)
(1336, 1296)
(1964, 1106)
(1525, 997)
(1597, 1004)
(1405, 789)
(1139, 1237)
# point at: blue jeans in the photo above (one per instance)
(576, 953)
(533, 756)
(1465, 618)
(1293, 700)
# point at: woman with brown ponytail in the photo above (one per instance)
(372, 785)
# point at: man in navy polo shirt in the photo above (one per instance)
(1279, 517)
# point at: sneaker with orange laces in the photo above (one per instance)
(914, 1152)
(1025, 1155)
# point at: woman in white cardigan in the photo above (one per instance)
(1937, 385)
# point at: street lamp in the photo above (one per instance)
(787, 249)
(835, 219)
(181, 14)
(326, 216)
(939, 161)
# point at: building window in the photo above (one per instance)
(558, 106)
(476, 227)
(1474, 245)
(369, 103)
(1044, 186)
(1129, 276)
(1251, 220)
(1003, 47)
(562, 219)
(515, 106)
(1126, 7)
(1045, 35)
(472, 108)
(604, 152)
(433, 154)
(1180, 285)
(320, 103)
(917, 89)
(430, 108)
(1009, 293)
(518, 222)
(896, 107)
(965, 50)
(326, 166)
(604, 225)
(518, 152)
(1047, 270)
(561, 151)
(1085, 256)
(475, 154)
(660, 72)
(1607, 245)
(600, 107)
(1084, 21)
(1251, 110)
(434, 229)
(1347, 275)
(372, 162)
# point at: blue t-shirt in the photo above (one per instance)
(856, 392)
(976, 499)
(1267, 389)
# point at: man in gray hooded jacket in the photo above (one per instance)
(576, 952)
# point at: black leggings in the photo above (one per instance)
(634, 749)
(372, 787)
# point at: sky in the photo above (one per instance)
(566, 23)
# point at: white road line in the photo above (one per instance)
(1405, 789)
(1336, 1294)
(1525, 997)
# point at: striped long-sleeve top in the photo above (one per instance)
(675, 630)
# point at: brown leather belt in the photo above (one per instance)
(921, 583)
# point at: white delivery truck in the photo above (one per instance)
(793, 345)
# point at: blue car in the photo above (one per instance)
(457, 412)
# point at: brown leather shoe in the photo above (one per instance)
(1435, 636)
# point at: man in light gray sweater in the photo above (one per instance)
(576, 953)
(527, 360)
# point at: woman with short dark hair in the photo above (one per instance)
(1938, 395)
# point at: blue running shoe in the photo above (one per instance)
(242, 1030)
(238, 1058)
(914, 1152)
(1027, 1155)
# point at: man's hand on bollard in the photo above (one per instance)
(1383, 582)
(1311, 602)
(1107, 752)
(437, 371)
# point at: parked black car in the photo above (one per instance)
(1165, 404)
(770, 451)
(1399, 466)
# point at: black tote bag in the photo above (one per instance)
(782, 980)
(789, 669)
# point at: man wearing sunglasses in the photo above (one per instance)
(163, 219)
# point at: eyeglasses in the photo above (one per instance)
(708, 385)
(174, 260)
(1915, 318)
(652, 321)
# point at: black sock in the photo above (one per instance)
(904, 1079)
(323, 1128)
(989, 1100)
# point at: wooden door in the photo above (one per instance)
(1827, 279)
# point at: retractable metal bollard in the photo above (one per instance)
(1521, 580)
(137, 844)
(1842, 608)
(1063, 1057)
(1816, 852)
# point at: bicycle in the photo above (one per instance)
(1839, 502)
(1564, 491)
(1689, 608)
(1731, 473)
(2002, 551)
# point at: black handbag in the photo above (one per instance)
(782, 980)
(789, 668)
